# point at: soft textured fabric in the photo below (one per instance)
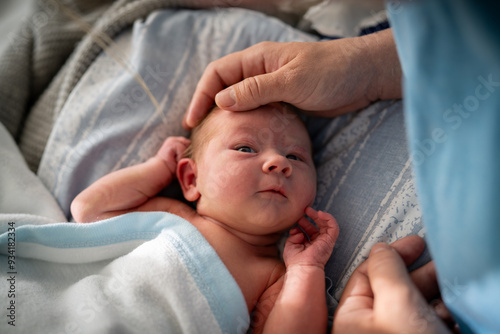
(137, 273)
(43, 61)
(45, 58)
(29, 65)
(22, 192)
(450, 55)
(333, 18)
(106, 122)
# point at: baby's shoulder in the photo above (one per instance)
(179, 208)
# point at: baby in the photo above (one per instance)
(252, 177)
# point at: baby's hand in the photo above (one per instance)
(172, 150)
(317, 250)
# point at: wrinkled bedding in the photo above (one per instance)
(108, 122)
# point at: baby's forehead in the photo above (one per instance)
(270, 121)
(275, 116)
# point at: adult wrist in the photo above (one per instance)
(382, 53)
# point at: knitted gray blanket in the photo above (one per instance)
(41, 64)
(54, 47)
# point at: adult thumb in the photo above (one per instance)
(251, 93)
(386, 268)
(397, 301)
(394, 291)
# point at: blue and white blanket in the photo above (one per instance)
(142, 272)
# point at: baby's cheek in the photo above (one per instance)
(308, 196)
(216, 185)
(313, 196)
(224, 180)
(306, 181)
(312, 186)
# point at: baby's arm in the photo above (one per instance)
(300, 306)
(133, 188)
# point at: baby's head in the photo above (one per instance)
(252, 171)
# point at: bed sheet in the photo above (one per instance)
(109, 122)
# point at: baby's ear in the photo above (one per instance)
(186, 174)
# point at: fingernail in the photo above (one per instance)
(226, 98)
(379, 247)
(186, 120)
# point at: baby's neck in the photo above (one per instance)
(259, 241)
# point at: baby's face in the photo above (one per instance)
(256, 173)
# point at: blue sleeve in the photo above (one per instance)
(450, 54)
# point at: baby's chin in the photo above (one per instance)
(276, 226)
(265, 221)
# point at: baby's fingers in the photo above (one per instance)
(180, 147)
(321, 218)
(172, 141)
(296, 236)
(179, 143)
(172, 150)
(308, 227)
(325, 222)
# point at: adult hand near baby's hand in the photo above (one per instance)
(325, 78)
(172, 151)
(317, 250)
(382, 297)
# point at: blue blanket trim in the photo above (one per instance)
(207, 269)
(106, 232)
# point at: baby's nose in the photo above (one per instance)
(277, 163)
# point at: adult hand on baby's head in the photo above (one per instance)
(325, 78)
(299, 251)
(172, 151)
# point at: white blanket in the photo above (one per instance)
(141, 272)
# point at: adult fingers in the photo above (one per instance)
(425, 280)
(398, 304)
(203, 98)
(387, 270)
(393, 290)
(218, 75)
(253, 92)
(226, 71)
(410, 248)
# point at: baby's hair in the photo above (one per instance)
(199, 136)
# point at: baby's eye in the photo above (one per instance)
(293, 157)
(245, 149)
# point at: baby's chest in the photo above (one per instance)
(254, 278)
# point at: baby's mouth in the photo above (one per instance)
(275, 191)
